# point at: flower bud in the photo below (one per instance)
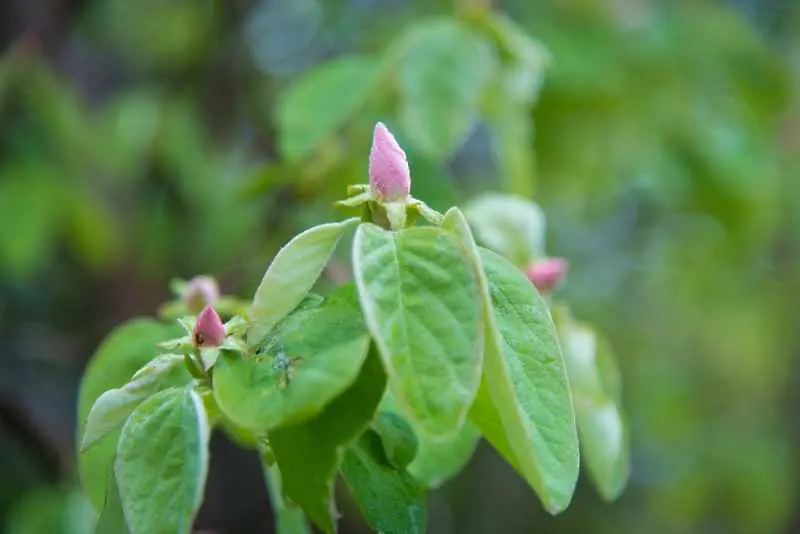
(200, 292)
(547, 274)
(208, 330)
(389, 176)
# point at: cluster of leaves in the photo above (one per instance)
(478, 67)
(515, 228)
(660, 129)
(616, 86)
(141, 164)
(438, 341)
(699, 106)
(439, 77)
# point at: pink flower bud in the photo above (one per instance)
(200, 292)
(208, 330)
(547, 274)
(389, 176)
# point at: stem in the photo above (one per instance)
(195, 366)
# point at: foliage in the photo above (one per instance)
(304, 375)
(652, 145)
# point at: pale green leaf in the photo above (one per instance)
(607, 368)
(421, 303)
(510, 225)
(594, 379)
(321, 101)
(291, 275)
(310, 358)
(162, 463)
(527, 384)
(309, 454)
(125, 350)
(605, 446)
(392, 501)
(114, 406)
(524, 407)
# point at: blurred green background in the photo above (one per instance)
(145, 140)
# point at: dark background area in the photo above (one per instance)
(139, 141)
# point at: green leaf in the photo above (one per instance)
(112, 517)
(124, 351)
(320, 102)
(291, 275)
(309, 454)
(512, 226)
(114, 406)
(92, 227)
(29, 205)
(513, 139)
(162, 462)
(439, 461)
(507, 104)
(442, 71)
(312, 356)
(436, 461)
(524, 407)
(594, 379)
(392, 501)
(289, 519)
(527, 384)
(48, 510)
(607, 368)
(528, 59)
(397, 437)
(511, 136)
(605, 446)
(420, 301)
